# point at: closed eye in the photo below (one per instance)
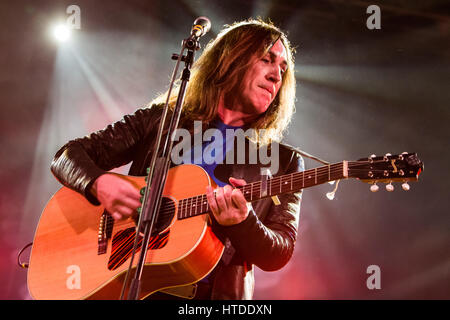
(271, 58)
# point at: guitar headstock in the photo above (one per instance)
(387, 169)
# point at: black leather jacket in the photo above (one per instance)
(265, 239)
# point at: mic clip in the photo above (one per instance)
(183, 57)
(192, 43)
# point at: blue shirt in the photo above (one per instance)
(209, 149)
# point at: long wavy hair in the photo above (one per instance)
(220, 69)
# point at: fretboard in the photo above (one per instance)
(258, 190)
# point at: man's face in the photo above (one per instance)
(262, 80)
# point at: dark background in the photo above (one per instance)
(360, 92)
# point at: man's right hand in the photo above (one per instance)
(119, 197)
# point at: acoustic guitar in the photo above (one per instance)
(80, 252)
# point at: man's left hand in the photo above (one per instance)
(228, 204)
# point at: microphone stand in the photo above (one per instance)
(159, 167)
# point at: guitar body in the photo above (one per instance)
(66, 262)
(80, 252)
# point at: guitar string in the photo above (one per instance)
(185, 205)
(255, 187)
(192, 203)
(277, 182)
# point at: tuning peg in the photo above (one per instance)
(405, 186)
(388, 154)
(390, 187)
(400, 157)
(374, 188)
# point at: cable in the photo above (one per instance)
(23, 265)
(303, 153)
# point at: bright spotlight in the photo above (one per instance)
(61, 32)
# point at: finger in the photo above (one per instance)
(130, 203)
(116, 216)
(122, 212)
(211, 200)
(128, 190)
(127, 202)
(220, 199)
(237, 182)
(239, 200)
(227, 190)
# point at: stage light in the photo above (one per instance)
(61, 32)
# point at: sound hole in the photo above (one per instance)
(123, 241)
(165, 215)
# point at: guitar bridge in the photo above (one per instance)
(104, 232)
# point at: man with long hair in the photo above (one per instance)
(243, 80)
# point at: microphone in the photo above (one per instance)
(200, 26)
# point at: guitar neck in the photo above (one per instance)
(258, 190)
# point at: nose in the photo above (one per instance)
(274, 74)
